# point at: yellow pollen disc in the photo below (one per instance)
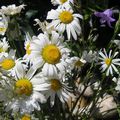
(63, 1)
(2, 29)
(23, 87)
(28, 50)
(26, 117)
(66, 17)
(1, 50)
(51, 54)
(56, 85)
(7, 64)
(78, 64)
(108, 61)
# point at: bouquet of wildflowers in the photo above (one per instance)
(69, 71)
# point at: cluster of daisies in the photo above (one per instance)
(41, 74)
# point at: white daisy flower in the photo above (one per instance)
(3, 47)
(12, 9)
(3, 24)
(23, 95)
(49, 52)
(61, 2)
(54, 85)
(63, 19)
(109, 62)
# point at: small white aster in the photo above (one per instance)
(3, 23)
(23, 95)
(49, 52)
(12, 9)
(109, 62)
(63, 19)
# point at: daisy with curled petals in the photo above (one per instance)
(55, 86)
(109, 62)
(12, 9)
(63, 19)
(24, 95)
(49, 52)
(61, 2)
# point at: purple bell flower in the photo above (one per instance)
(105, 16)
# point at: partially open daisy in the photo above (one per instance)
(8, 63)
(63, 19)
(12, 9)
(49, 52)
(76, 62)
(109, 62)
(3, 24)
(3, 47)
(25, 96)
(27, 47)
(54, 86)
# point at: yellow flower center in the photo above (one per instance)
(56, 85)
(28, 50)
(2, 29)
(63, 1)
(78, 64)
(26, 117)
(7, 64)
(108, 61)
(51, 54)
(23, 87)
(66, 17)
(1, 50)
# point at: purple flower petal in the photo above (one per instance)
(108, 12)
(105, 16)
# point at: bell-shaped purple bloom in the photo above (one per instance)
(105, 16)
